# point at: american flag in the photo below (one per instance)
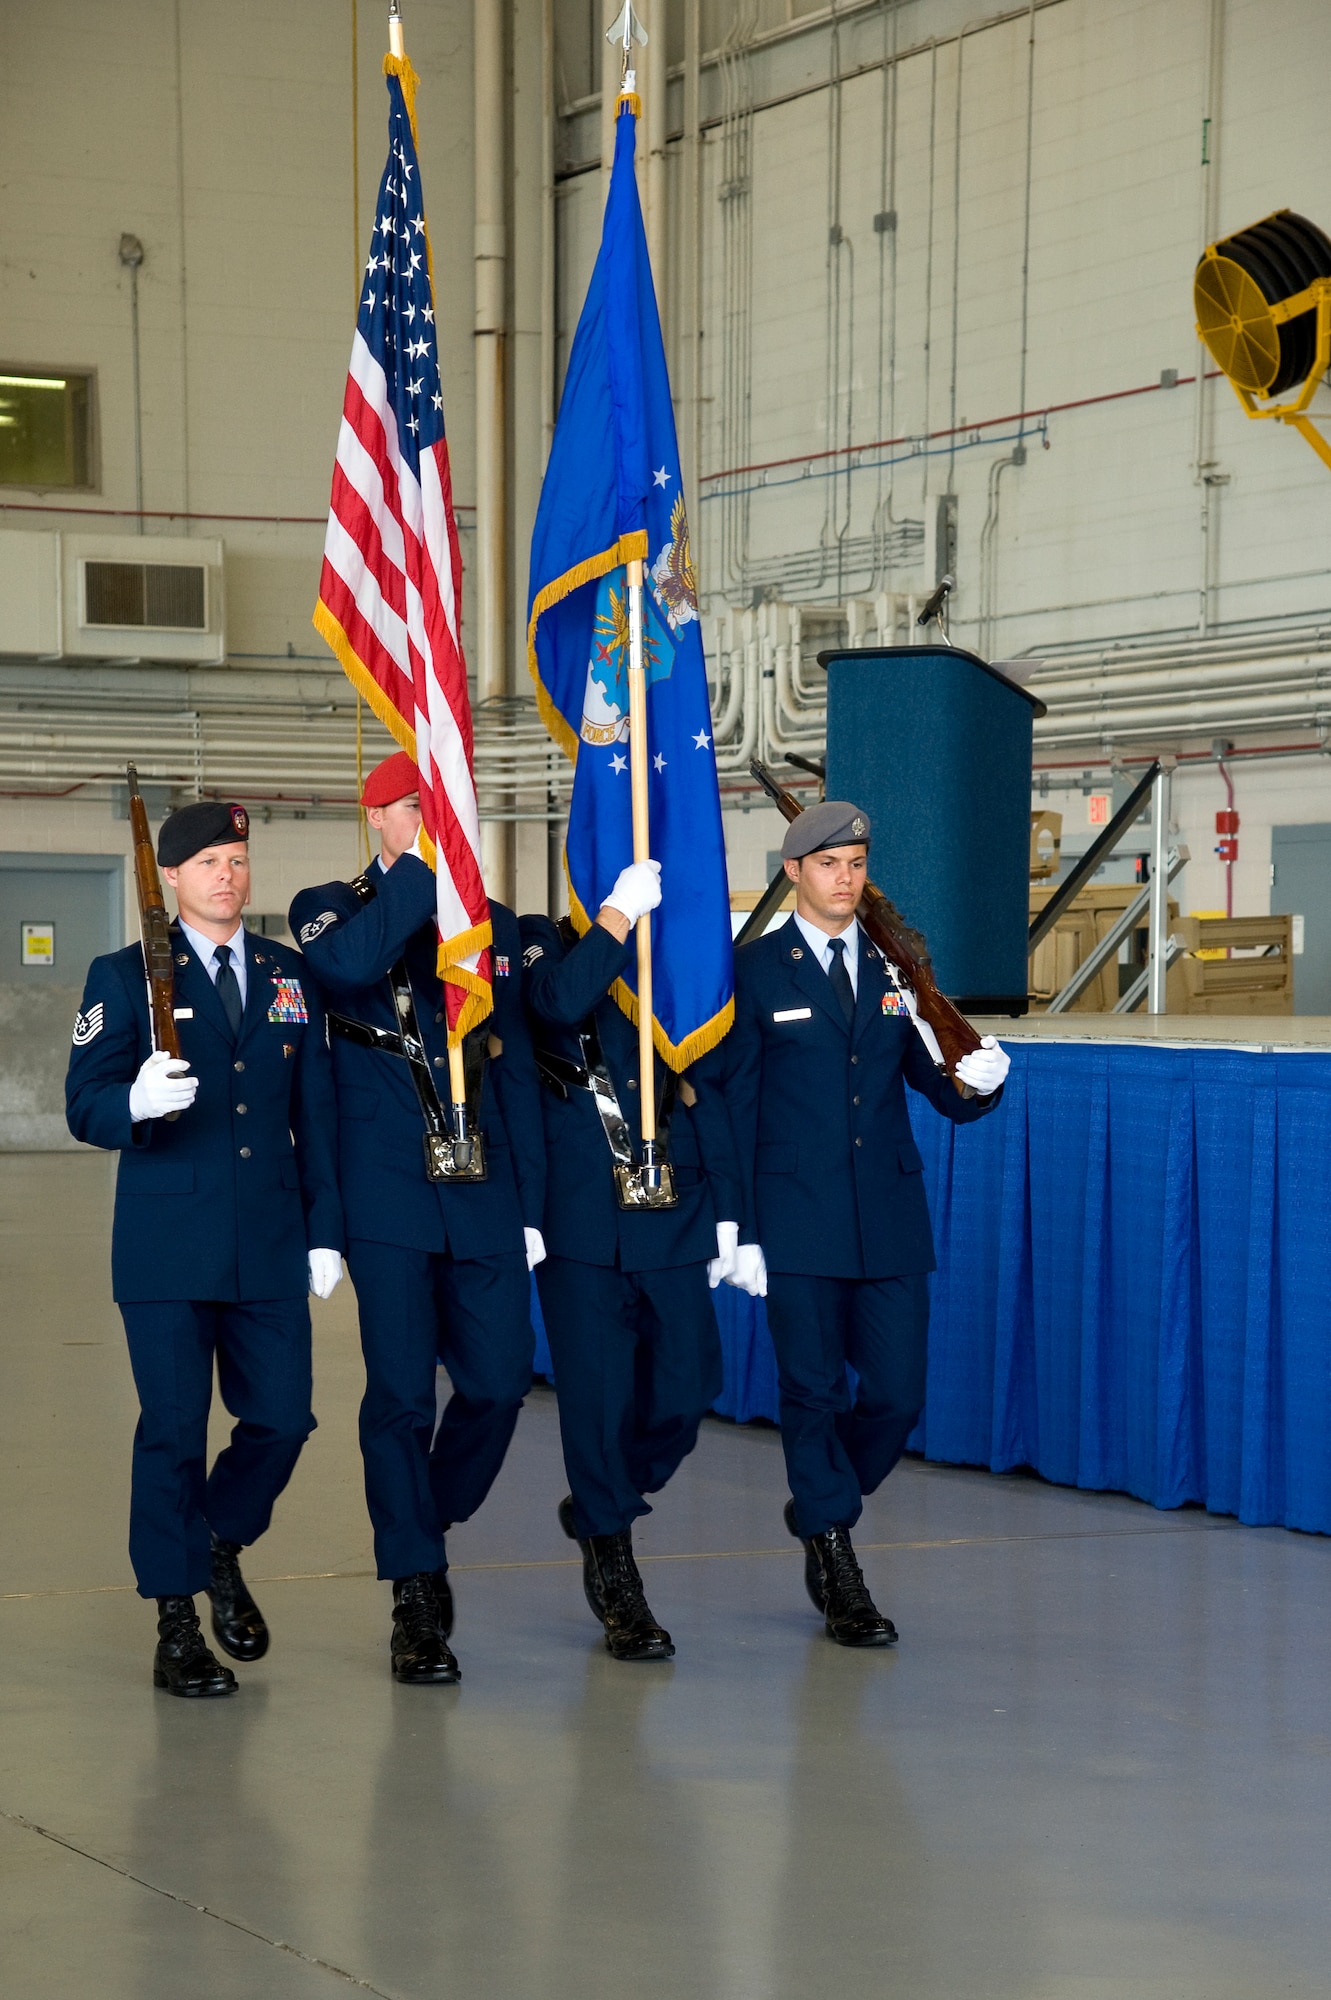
(391, 589)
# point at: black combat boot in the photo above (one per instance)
(813, 1569)
(443, 1597)
(591, 1582)
(631, 1632)
(853, 1619)
(183, 1665)
(238, 1623)
(420, 1651)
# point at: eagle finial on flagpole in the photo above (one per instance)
(626, 29)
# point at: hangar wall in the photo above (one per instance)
(909, 254)
(946, 259)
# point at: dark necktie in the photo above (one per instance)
(228, 987)
(840, 978)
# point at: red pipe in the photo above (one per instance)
(1190, 756)
(171, 514)
(1227, 826)
(957, 430)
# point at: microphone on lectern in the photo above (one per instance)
(933, 606)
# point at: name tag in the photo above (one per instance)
(183, 1013)
(794, 1014)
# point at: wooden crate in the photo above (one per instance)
(1092, 912)
(1260, 980)
(749, 899)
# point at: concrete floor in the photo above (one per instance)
(1098, 1765)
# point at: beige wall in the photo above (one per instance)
(222, 137)
(287, 854)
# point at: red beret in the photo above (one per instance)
(391, 780)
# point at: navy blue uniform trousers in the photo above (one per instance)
(839, 1447)
(262, 1351)
(419, 1308)
(637, 1360)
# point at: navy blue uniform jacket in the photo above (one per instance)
(835, 1184)
(583, 1220)
(224, 1202)
(351, 945)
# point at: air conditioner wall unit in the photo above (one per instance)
(112, 597)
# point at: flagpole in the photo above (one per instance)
(642, 852)
(655, 1184)
(457, 1077)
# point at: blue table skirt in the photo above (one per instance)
(1134, 1282)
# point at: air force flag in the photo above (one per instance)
(612, 494)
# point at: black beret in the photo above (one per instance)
(834, 823)
(209, 823)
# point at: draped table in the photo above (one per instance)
(1134, 1277)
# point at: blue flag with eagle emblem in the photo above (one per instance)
(612, 494)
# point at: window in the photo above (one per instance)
(45, 428)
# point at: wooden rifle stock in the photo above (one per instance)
(883, 926)
(154, 928)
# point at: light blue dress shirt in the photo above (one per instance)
(207, 952)
(820, 944)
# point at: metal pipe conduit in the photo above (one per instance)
(1314, 669)
(1196, 717)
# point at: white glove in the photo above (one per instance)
(750, 1273)
(163, 1084)
(535, 1248)
(325, 1272)
(637, 889)
(416, 847)
(985, 1068)
(723, 1264)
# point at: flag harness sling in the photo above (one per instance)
(449, 1156)
(593, 1075)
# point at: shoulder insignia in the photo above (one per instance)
(532, 953)
(88, 1026)
(317, 925)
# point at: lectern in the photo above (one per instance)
(936, 746)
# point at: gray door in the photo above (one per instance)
(57, 912)
(1301, 887)
(71, 908)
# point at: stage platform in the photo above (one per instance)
(1131, 1292)
(1248, 1031)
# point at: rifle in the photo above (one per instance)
(154, 928)
(907, 950)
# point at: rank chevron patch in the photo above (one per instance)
(88, 1026)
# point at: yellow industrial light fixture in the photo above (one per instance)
(1263, 302)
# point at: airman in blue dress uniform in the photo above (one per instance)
(440, 1269)
(624, 1292)
(836, 1227)
(226, 1216)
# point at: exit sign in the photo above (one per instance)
(1098, 804)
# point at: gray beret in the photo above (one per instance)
(208, 823)
(834, 823)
